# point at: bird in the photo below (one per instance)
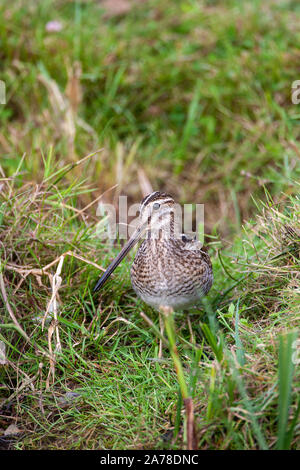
(170, 269)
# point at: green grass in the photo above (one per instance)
(198, 96)
(126, 397)
(202, 90)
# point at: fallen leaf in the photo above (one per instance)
(12, 429)
(68, 398)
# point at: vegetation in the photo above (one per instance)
(189, 97)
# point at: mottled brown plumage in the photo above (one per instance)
(169, 269)
(165, 272)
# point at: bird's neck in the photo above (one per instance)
(163, 228)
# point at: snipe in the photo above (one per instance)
(167, 270)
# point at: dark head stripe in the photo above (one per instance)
(154, 197)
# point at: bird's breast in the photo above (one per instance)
(165, 272)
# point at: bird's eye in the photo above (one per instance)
(156, 206)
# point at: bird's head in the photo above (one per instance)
(157, 213)
(156, 219)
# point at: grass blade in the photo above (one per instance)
(285, 378)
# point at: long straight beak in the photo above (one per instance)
(126, 248)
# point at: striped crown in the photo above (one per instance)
(156, 196)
